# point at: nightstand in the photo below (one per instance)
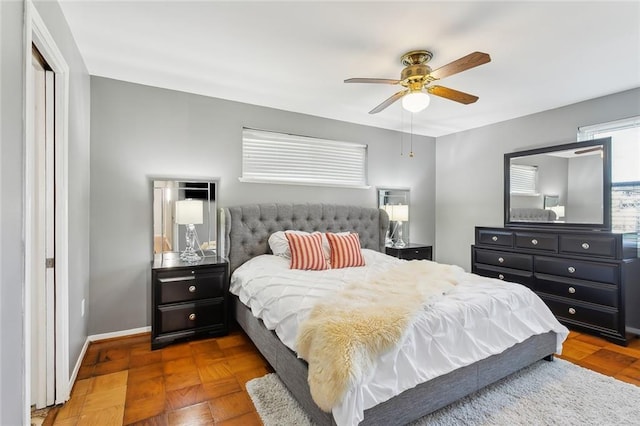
(188, 300)
(411, 251)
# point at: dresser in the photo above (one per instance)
(188, 300)
(589, 279)
(411, 251)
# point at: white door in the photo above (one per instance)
(41, 259)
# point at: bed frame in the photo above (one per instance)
(246, 231)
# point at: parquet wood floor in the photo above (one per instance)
(122, 382)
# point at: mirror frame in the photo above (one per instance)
(211, 218)
(605, 225)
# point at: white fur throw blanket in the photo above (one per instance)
(345, 334)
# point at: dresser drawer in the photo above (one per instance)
(577, 269)
(511, 275)
(588, 245)
(536, 241)
(606, 295)
(185, 285)
(185, 316)
(590, 315)
(494, 237)
(504, 259)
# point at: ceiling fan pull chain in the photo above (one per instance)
(411, 140)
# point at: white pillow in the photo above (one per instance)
(280, 246)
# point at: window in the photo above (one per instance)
(282, 158)
(524, 179)
(625, 169)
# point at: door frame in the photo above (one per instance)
(36, 33)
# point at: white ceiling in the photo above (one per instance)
(295, 55)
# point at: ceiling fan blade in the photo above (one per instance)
(466, 62)
(389, 101)
(372, 80)
(454, 95)
(584, 151)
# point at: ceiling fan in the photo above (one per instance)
(417, 75)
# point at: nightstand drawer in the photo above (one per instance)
(536, 241)
(178, 286)
(185, 316)
(411, 252)
(588, 245)
(576, 269)
(504, 259)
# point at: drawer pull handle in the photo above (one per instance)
(572, 311)
(534, 242)
(500, 259)
(501, 276)
(585, 246)
(192, 317)
(193, 272)
(571, 269)
(417, 251)
(192, 289)
(572, 290)
(494, 238)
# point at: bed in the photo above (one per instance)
(246, 233)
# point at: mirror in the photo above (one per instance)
(561, 186)
(184, 218)
(396, 203)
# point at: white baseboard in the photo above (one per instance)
(95, 338)
(76, 369)
(113, 334)
(635, 331)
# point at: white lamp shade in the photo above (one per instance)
(189, 212)
(415, 101)
(398, 212)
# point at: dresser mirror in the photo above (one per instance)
(396, 203)
(565, 186)
(184, 218)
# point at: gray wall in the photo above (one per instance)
(469, 171)
(11, 209)
(139, 132)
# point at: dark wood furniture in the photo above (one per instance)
(411, 251)
(188, 300)
(587, 279)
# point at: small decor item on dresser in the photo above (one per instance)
(398, 213)
(189, 213)
(411, 251)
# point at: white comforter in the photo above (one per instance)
(479, 318)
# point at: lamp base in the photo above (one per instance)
(399, 244)
(189, 255)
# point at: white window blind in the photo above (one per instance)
(282, 158)
(524, 179)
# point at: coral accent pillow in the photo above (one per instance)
(306, 251)
(345, 250)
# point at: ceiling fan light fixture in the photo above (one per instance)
(415, 101)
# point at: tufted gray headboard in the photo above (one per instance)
(247, 228)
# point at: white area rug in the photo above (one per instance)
(546, 393)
